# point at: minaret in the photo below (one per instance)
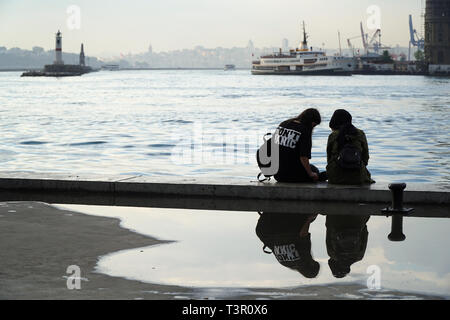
(58, 49)
(82, 56)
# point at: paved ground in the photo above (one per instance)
(38, 243)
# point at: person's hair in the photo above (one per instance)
(342, 121)
(339, 269)
(308, 116)
(339, 118)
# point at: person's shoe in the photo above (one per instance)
(323, 176)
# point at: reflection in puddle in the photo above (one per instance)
(288, 237)
(225, 250)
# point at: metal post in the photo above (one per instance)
(397, 211)
(397, 195)
(397, 228)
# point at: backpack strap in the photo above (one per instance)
(264, 179)
(265, 251)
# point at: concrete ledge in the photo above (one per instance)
(224, 204)
(219, 189)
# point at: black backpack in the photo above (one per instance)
(349, 157)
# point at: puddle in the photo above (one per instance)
(220, 251)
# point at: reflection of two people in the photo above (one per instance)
(289, 240)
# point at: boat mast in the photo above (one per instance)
(340, 50)
(304, 45)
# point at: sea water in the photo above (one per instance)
(209, 123)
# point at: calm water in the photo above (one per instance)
(209, 123)
(219, 253)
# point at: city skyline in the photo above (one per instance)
(176, 25)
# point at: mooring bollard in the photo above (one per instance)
(396, 228)
(397, 212)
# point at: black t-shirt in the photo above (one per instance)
(294, 141)
(281, 233)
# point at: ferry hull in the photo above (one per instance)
(329, 72)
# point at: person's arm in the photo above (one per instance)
(329, 149)
(305, 163)
(305, 153)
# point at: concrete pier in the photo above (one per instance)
(148, 191)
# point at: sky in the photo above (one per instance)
(129, 26)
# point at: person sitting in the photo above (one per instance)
(294, 139)
(347, 151)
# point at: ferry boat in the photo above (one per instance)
(303, 61)
(229, 67)
(110, 67)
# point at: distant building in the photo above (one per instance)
(285, 44)
(250, 46)
(437, 32)
(38, 50)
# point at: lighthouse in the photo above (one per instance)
(58, 49)
(58, 68)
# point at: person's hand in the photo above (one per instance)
(314, 176)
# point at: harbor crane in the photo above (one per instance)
(372, 44)
(351, 46)
(415, 39)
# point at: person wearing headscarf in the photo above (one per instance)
(345, 134)
(346, 242)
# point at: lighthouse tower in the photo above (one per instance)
(58, 49)
(82, 56)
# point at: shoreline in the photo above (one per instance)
(352, 73)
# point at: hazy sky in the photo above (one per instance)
(123, 26)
